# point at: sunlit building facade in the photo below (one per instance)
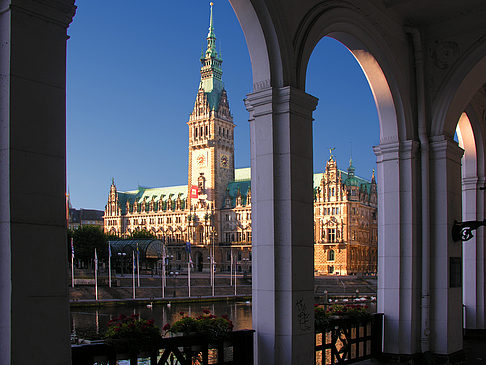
(345, 222)
(213, 211)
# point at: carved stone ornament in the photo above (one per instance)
(444, 53)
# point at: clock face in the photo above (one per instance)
(224, 161)
(201, 160)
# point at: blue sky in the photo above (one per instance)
(132, 77)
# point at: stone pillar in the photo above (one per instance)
(473, 254)
(398, 251)
(34, 309)
(446, 255)
(282, 216)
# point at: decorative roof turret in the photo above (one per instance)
(211, 71)
(351, 168)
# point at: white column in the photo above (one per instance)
(445, 207)
(398, 251)
(282, 212)
(34, 309)
(474, 254)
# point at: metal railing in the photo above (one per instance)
(347, 340)
(344, 341)
(236, 349)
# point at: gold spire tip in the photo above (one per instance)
(211, 3)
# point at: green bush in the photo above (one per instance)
(132, 333)
(208, 325)
(323, 317)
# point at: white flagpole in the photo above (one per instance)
(138, 266)
(96, 275)
(133, 274)
(97, 322)
(163, 270)
(189, 273)
(210, 266)
(109, 264)
(236, 270)
(231, 266)
(72, 262)
(212, 272)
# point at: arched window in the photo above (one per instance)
(330, 255)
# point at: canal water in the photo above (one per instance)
(92, 323)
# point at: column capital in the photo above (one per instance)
(396, 150)
(60, 12)
(445, 147)
(280, 100)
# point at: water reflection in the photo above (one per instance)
(92, 323)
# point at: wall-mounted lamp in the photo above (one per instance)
(462, 231)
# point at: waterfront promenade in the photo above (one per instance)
(176, 288)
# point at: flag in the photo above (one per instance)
(188, 247)
(72, 247)
(96, 261)
(109, 249)
(194, 192)
(190, 261)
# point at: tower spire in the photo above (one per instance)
(211, 29)
(211, 71)
(211, 38)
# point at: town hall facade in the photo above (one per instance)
(213, 210)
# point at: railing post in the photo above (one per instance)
(377, 335)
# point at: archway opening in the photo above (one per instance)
(345, 129)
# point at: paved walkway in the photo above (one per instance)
(474, 349)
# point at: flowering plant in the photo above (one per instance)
(323, 316)
(213, 327)
(132, 332)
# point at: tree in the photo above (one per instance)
(143, 234)
(86, 239)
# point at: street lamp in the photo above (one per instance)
(122, 257)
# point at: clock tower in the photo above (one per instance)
(211, 147)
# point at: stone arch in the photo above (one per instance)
(368, 46)
(457, 90)
(373, 41)
(471, 137)
(262, 46)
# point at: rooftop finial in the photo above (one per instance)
(330, 153)
(211, 19)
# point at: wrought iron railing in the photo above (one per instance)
(236, 349)
(344, 341)
(347, 340)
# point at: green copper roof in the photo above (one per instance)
(157, 193)
(242, 186)
(211, 70)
